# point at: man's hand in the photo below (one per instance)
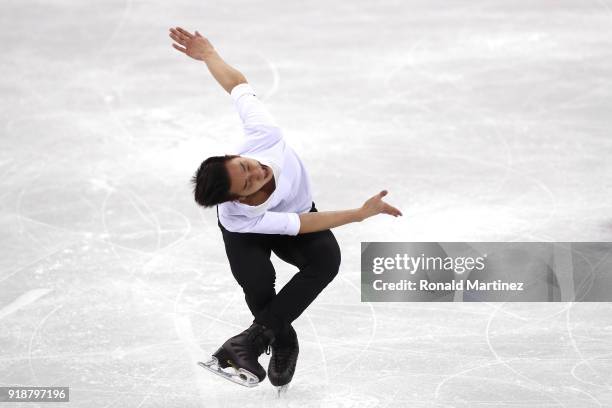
(193, 45)
(320, 221)
(375, 205)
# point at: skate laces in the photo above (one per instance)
(283, 351)
(258, 339)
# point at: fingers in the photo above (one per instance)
(392, 211)
(379, 196)
(178, 39)
(181, 49)
(180, 36)
(184, 32)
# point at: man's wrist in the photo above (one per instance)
(359, 214)
(209, 56)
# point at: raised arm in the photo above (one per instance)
(199, 48)
(319, 221)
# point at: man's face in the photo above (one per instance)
(247, 176)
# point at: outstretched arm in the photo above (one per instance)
(320, 221)
(199, 48)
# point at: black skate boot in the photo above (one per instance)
(239, 355)
(285, 350)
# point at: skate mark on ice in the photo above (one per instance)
(275, 78)
(19, 204)
(118, 27)
(184, 328)
(107, 231)
(532, 385)
(23, 300)
(553, 206)
(229, 302)
(537, 386)
(576, 389)
(394, 396)
(180, 240)
(318, 341)
(573, 371)
(372, 334)
(32, 337)
(34, 262)
(583, 360)
(212, 318)
(144, 381)
(184, 331)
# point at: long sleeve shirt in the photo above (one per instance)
(264, 142)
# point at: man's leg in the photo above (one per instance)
(317, 255)
(249, 258)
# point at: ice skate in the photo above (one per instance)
(281, 368)
(236, 359)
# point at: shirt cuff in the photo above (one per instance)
(293, 226)
(241, 89)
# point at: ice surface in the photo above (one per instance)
(485, 121)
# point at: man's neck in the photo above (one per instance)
(261, 195)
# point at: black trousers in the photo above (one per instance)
(316, 254)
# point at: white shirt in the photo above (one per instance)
(265, 143)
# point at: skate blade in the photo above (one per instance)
(281, 390)
(238, 376)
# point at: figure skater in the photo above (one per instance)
(264, 204)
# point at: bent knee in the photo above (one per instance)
(329, 259)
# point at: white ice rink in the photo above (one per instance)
(485, 120)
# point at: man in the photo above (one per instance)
(264, 204)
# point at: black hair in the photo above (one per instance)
(212, 182)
